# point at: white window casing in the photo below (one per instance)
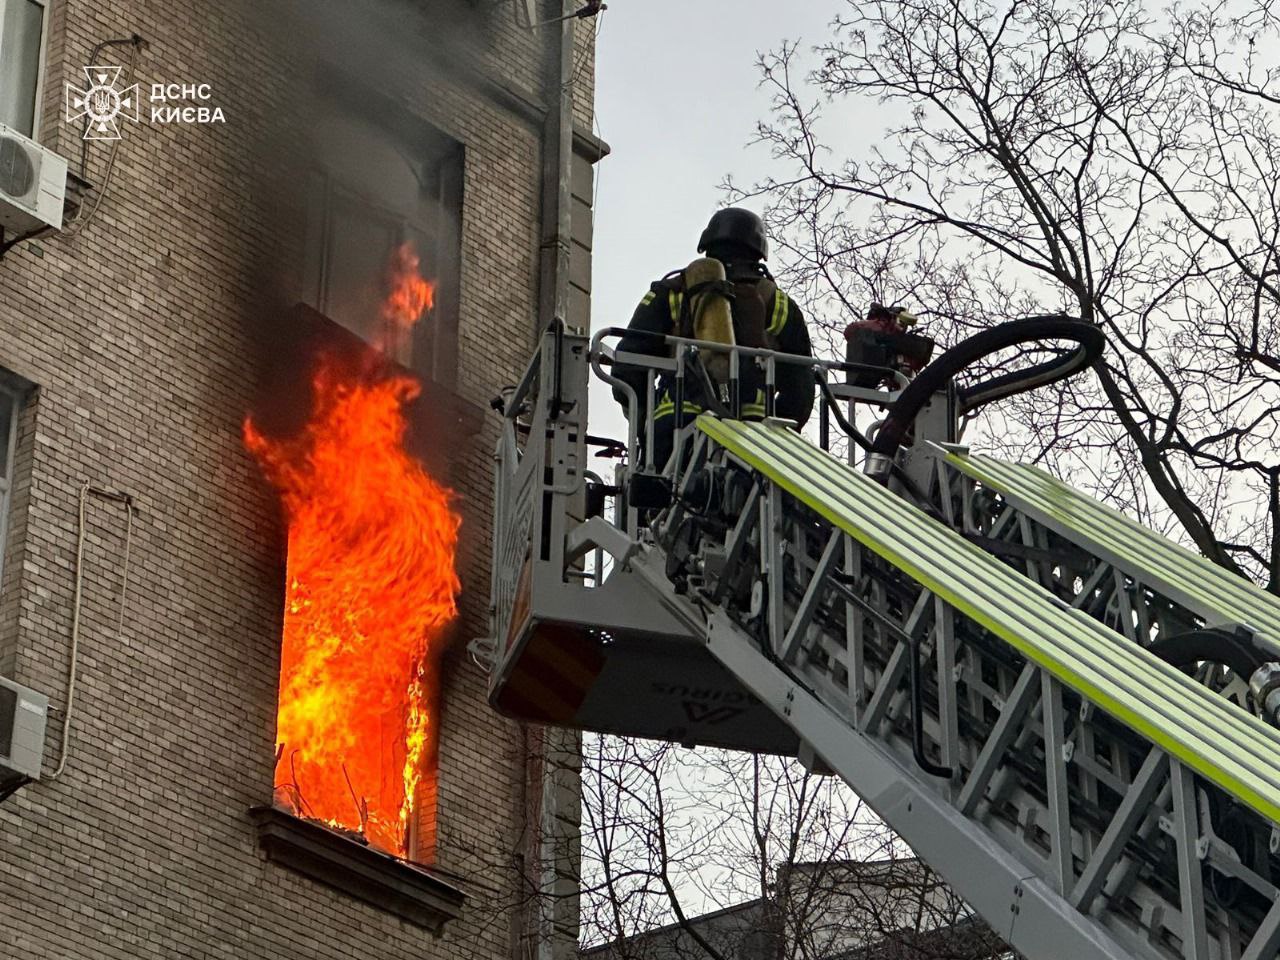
(24, 35)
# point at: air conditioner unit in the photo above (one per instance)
(22, 718)
(33, 185)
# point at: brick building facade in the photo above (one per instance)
(137, 340)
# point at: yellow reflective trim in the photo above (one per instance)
(1136, 549)
(648, 298)
(675, 301)
(668, 408)
(781, 307)
(1222, 743)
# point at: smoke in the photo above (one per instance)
(382, 46)
(347, 147)
(379, 60)
(349, 166)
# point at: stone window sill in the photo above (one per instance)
(410, 892)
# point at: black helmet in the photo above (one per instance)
(736, 226)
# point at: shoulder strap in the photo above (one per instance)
(675, 304)
(672, 287)
(673, 280)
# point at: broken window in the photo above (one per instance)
(22, 38)
(378, 185)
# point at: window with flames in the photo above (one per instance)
(371, 584)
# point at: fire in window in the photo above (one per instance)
(378, 182)
(370, 582)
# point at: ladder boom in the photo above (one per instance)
(969, 646)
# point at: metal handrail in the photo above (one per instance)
(842, 366)
(676, 351)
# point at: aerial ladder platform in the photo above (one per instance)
(1072, 719)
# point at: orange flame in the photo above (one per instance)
(370, 586)
(410, 295)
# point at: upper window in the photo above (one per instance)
(374, 187)
(22, 39)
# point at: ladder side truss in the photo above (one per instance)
(1074, 834)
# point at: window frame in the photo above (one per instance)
(439, 163)
(335, 198)
(17, 397)
(41, 64)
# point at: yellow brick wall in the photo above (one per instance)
(145, 335)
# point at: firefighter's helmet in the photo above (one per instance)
(738, 227)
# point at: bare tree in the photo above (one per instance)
(1094, 157)
(733, 856)
(982, 160)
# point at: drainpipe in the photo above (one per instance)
(558, 818)
(557, 173)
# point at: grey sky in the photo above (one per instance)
(677, 98)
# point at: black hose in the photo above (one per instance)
(934, 377)
(704, 380)
(1212, 645)
(858, 437)
(1238, 650)
(912, 640)
(917, 718)
(853, 433)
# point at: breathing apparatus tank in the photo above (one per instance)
(711, 311)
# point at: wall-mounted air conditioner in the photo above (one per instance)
(33, 185)
(22, 719)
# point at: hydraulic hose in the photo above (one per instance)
(1251, 658)
(1212, 645)
(1247, 656)
(917, 718)
(1089, 339)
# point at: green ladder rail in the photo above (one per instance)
(1078, 767)
(978, 671)
(1236, 751)
(1216, 595)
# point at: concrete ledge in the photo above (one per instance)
(349, 866)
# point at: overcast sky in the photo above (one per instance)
(677, 99)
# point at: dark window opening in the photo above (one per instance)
(16, 448)
(380, 179)
(377, 181)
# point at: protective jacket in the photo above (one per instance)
(763, 316)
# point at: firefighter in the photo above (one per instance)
(731, 281)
